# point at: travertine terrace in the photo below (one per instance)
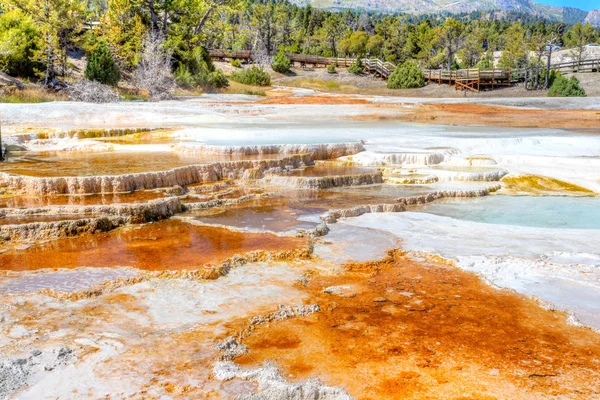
(302, 246)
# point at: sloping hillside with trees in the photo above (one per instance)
(125, 43)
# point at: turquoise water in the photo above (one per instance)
(541, 211)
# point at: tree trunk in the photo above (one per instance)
(165, 23)
(200, 25)
(50, 74)
(548, 67)
(153, 17)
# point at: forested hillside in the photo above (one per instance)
(41, 42)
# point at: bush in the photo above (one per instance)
(554, 74)
(236, 63)
(92, 92)
(566, 87)
(281, 63)
(101, 66)
(218, 79)
(331, 69)
(184, 78)
(407, 75)
(357, 67)
(252, 76)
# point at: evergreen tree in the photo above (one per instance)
(101, 66)
(578, 37)
(281, 63)
(406, 76)
(566, 87)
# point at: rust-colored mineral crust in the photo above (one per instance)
(399, 328)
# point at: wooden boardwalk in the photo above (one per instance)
(374, 66)
(470, 79)
(473, 79)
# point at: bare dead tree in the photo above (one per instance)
(260, 56)
(92, 92)
(552, 41)
(154, 70)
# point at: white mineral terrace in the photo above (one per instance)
(229, 206)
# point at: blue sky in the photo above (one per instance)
(586, 5)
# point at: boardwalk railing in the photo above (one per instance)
(233, 54)
(565, 68)
(463, 79)
(372, 65)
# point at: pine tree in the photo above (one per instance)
(101, 66)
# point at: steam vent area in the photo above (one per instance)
(301, 246)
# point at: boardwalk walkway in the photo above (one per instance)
(473, 79)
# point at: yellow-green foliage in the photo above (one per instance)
(18, 44)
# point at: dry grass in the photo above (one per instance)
(240, 88)
(321, 85)
(30, 95)
(130, 94)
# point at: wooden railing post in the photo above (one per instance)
(1, 152)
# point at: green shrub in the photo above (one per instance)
(281, 63)
(566, 87)
(554, 74)
(357, 67)
(455, 65)
(407, 75)
(101, 66)
(184, 78)
(197, 60)
(236, 63)
(331, 69)
(252, 76)
(218, 79)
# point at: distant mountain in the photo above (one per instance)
(566, 14)
(593, 17)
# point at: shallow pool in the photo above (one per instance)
(80, 163)
(539, 211)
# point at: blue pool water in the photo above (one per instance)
(540, 211)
